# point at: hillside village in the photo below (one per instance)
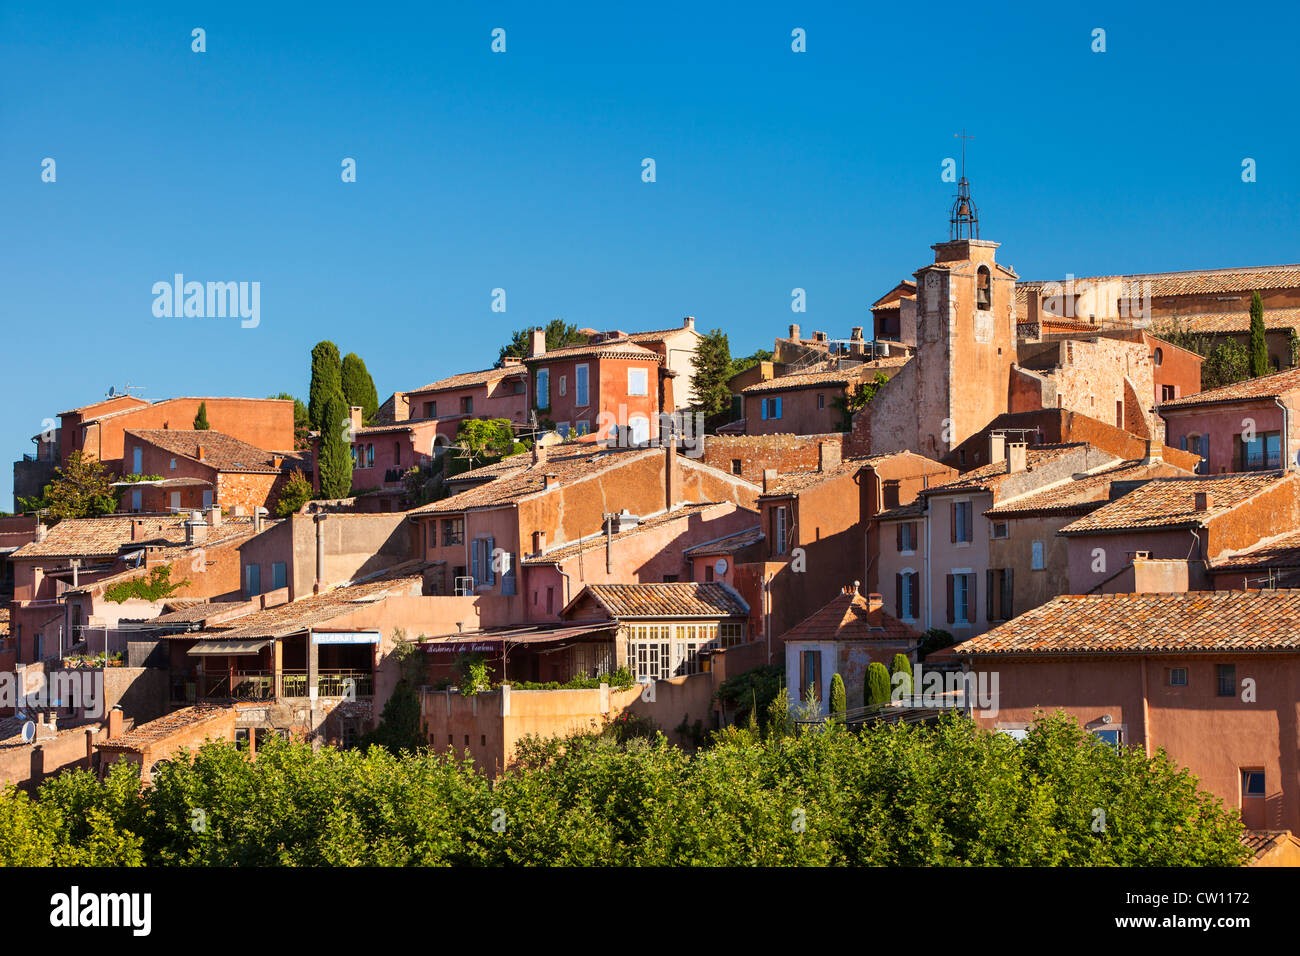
(1016, 480)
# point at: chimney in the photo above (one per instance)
(319, 584)
(875, 602)
(537, 345)
(672, 476)
(1017, 457)
(794, 333)
(539, 542)
(41, 529)
(1204, 501)
(769, 480)
(200, 455)
(214, 515)
(688, 322)
(997, 447)
(277, 461)
(357, 416)
(115, 723)
(137, 529)
(259, 515)
(550, 481)
(1152, 453)
(196, 529)
(539, 452)
(856, 333)
(828, 455)
(819, 336)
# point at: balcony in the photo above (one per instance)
(260, 685)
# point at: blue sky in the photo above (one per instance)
(522, 171)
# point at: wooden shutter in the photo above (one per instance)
(1008, 593)
(898, 532)
(952, 521)
(915, 603)
(968, 518)
(948, 578)
(972, 598)
(988, 593)
(898, 595)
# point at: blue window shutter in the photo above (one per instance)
(474, 569)
(776, 412)
(508, 577)
(489, 547)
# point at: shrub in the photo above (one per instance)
(839, 698)
(901, 665)
(876, 689)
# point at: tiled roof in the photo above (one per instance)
(1260, 842)
(201, 611)
(728, 545)
(1264, 387)
(1238, 321)
(518, 480)
(597, 541)
(908, 512)
(1199, 281)
(110, 535)
(1170, 503)
(1282, 552)
(827, 374)
(1084, 493)
(1188, 622)
(315, 609)
(894, 297)
(850, 617)
(220, 451)
(657, 335)
(471, 379)
(793, 482)
(684, 599)
(989, 477)
(155, 731)
(4, 620)
(611, 348)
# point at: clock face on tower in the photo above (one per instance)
(932, 280)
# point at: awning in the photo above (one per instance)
(489, 641)
(227, 647)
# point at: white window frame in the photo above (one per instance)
(908, 574)
(964, 578)
(782, 529)
(638, 381)
(959, 520)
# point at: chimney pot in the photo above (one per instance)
(1204, 501)
(828, 455)
(201, 455)
(997, 448)
(1153, 452)
(688, 322)
(769, 479)
(537, 344)
(1017, 457)
(794, 332)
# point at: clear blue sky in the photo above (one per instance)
(523, 171)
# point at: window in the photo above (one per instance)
(962, 515)
(508, 580)
(1252, 783)
(906, 537)
(636, 381)
(397, 454)
(650, 651)
(430, 409)
(1227, 680)
(810, 672)
(370, 456)
(564, 385)
(175, 501)
(983, 289)
(780, 523)
(736, 466)
(639, 426)
(135, 500)
(137, 461)
(1000, 529)
(1168, 393)
(961, 608)
(1177, 676)
(173, 464)
(1037, 561)
(1158, 358)
(671, 578)
(999, 594)
(543, 388)
(1263, 451)
(252, 580)
(771, 407)
(580, 389)
(453, 531)
(582, 428)
(1110, 735)
(481, 569)
(908, 594)
(821, 401)
(708, 574)
(279, 575)
(731, 633)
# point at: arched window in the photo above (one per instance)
(983, 289)
(1158, 358)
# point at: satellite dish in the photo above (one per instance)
(720, 566)
(29, 732)
(112, 390)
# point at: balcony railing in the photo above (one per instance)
(260, 685)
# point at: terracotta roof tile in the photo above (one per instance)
(681, 599)
(1282, 552)
(1084, 493)
(155, 731)
(623, 348)
(485, 376)
(1170, 503)
(728, 545)
(1238, 321)
(850, 617)
(1189, 622)
(1264, 387)
(827, 374)
(1199, 281)
(110, 535)
(220, 451)
(597, 541)
(988, 477)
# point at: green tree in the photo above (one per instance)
(1226, 363)
(1258, 344)
(201, 419)
(901, 665)
(359, 387)
(935, 639)
(558, 335)
(711, 366)
(749, 361)
(876, 688)
(839, 698)
(326, 383)
(481, 441)
(399, 725)
(857, 399)
(335, 456)
(301, 421)
(82, 488)
(778, 714)
(297, 491)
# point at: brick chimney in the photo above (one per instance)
(539, 542)
(875, 602)
(196, 529)
(356, 415)
(1153, 452)
(997, 448)
(201, 454)
(688, 322)
(550, 481)
(828, 455)
(214, 515)
(115, 723)
(1017, 457)
(794, 333)
(1204, 501)
(769, 480)
(259, 515)
(537, 344)
(277, 461)
(137, 529)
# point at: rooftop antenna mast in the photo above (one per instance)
(964, 222)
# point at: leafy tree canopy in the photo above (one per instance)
(82, 488)
(558, 334)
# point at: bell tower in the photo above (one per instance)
(966, 333)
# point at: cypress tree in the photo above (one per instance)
(359, 387)
(900, 664)
(335, 462)
(839, 698)
(201, 419)
(1258, 345)
(326, 382)
(875, 690)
